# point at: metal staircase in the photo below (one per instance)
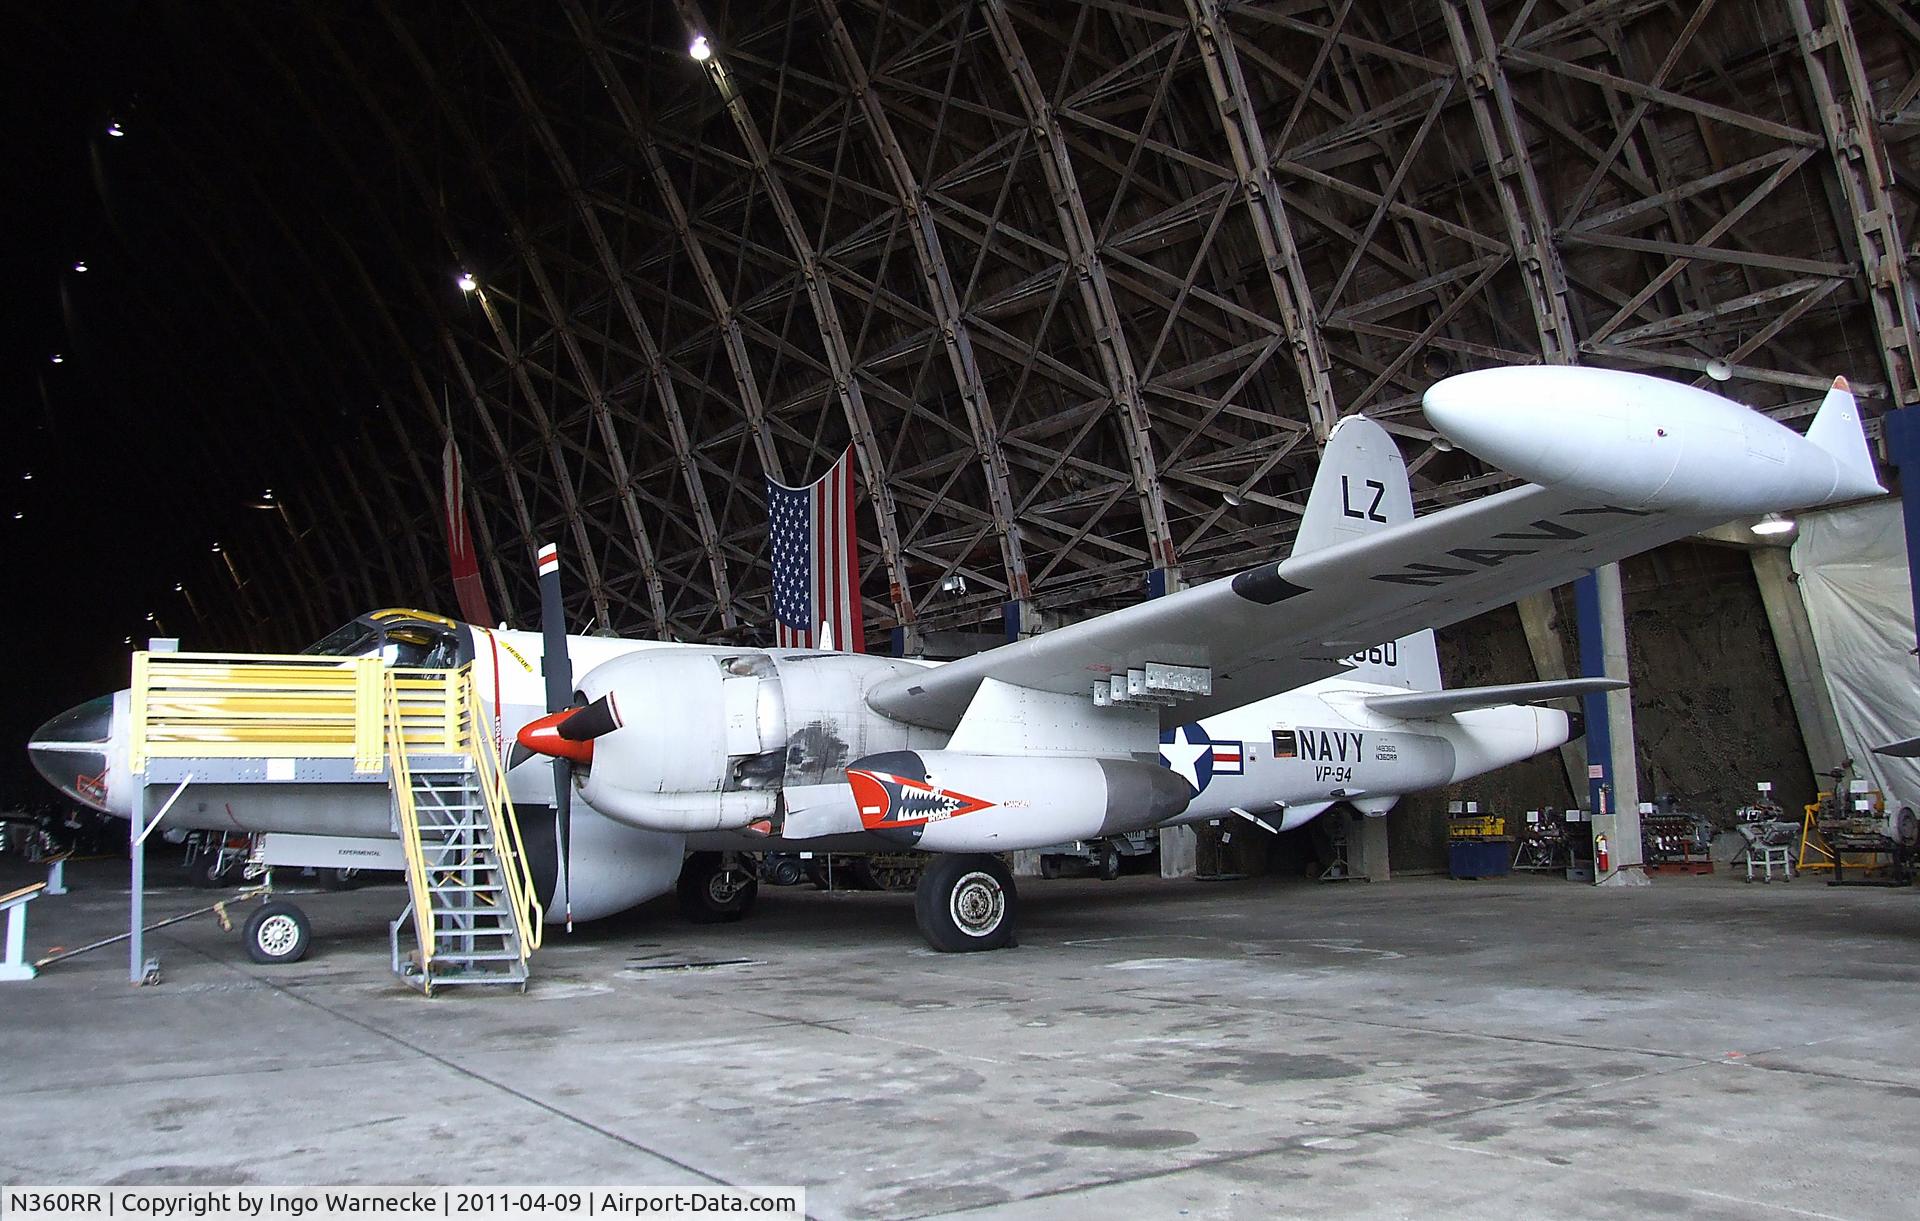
(471, 903)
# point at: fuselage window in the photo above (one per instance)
(1286, 744)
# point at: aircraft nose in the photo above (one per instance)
(70, 751)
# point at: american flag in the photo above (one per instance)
(816, 561)
(468, 589)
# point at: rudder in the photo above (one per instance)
(1362, 487)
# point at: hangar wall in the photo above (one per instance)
(1082, 283)
(1711, 709)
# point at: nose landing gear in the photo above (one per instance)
(715, 888)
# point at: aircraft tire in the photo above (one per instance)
(203, 871)
(278, 932)
(966, 903)
(713, 892)
(787, 872)
(1049, 866)
(1108, 862)
(337, 879)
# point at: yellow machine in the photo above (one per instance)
(1830, 833)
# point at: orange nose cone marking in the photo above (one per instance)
(871, 798)
(543, 736)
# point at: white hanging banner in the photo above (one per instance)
(1853, 577)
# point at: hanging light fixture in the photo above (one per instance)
(700, 49)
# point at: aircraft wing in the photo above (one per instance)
(1420, 704)
(1621, 463)
(1906, 748)
(1280, 626)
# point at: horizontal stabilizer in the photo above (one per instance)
(1906, 748)
(1420, 704)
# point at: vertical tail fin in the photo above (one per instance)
(1362, 487)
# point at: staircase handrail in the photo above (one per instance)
(401, 778)
(515, 872)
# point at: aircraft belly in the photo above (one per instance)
(742, 841)
(297, 809)
(1330, 764)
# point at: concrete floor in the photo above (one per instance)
(1514, 1048)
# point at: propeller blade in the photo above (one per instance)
(602, 716)
(554, 662)
(558, 669)
(563, 833)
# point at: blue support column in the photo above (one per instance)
(1010, 618)
(1903, 449)
(1593, 664)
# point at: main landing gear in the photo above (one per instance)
(278, 932)
(716, 888)
(966, 903)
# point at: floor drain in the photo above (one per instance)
(705, 965)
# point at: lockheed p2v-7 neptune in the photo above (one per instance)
(1276, 694)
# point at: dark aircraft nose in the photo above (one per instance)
(1576, 726)
(71, 751)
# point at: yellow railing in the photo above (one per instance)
(256, 706)
(439, 712)
(400, 777)
(294, 705)
(515, 874)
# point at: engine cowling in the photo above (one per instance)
(700, 745)
(952, 801)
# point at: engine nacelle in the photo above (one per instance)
(701, 743)
(613, 867)
(951, 801)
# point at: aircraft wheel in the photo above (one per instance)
(203, 871)
(1108, 862)
(966, 903)
(712, 891)
(214, 867)
(278, 932)
(1049, 866)
(337, 879)
(787, 872)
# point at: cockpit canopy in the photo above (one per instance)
(405, 638)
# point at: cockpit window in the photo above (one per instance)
(410, 645)
(356, 639)
(420, 648)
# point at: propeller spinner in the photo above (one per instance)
(569, 734)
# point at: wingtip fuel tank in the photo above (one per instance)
(1642, 442)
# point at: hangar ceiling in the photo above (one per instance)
(1082, 284)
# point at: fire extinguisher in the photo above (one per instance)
(1600, 853)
